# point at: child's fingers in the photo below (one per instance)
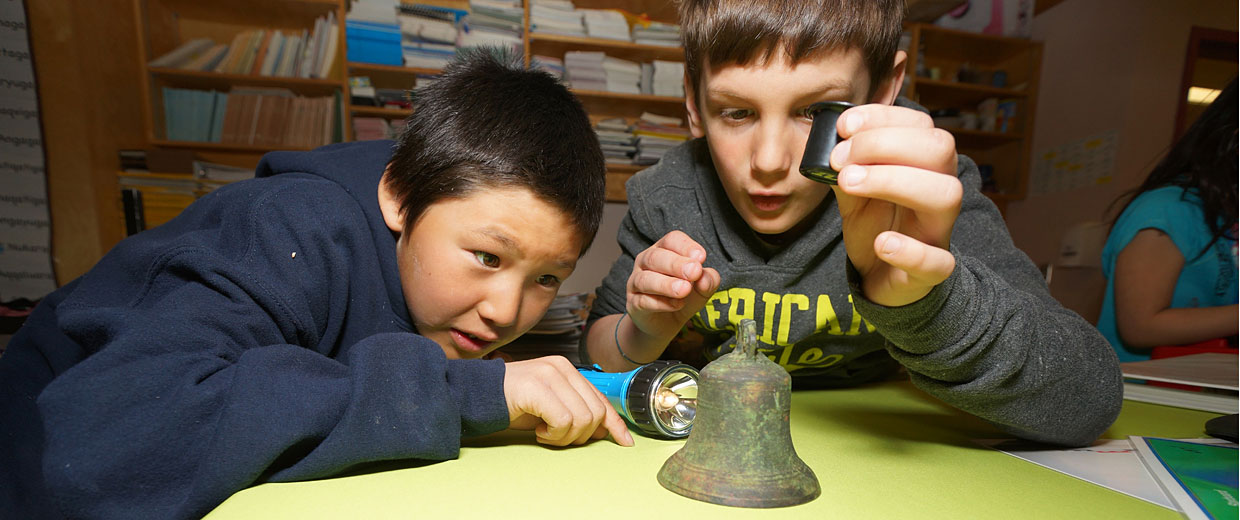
(936, 198)
(708, 282)
(638, 302)
(925, 265)
(668, 262)
(868, 117)
(658, 284)
(616, 426)
(680, 243)
(932, 149)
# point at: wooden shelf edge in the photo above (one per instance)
(956, 85)
(243, 78)
(375, 67)
(390, 113)
(1007, 40)
(224, 147)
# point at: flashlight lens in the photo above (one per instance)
(675, 402)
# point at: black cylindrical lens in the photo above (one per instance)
(816, 161)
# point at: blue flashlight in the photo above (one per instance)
(659, 399)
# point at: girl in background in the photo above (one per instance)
(1170, 260)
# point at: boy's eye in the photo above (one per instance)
(736, 114)
(547, 280)
(805, 113)
(487, 259)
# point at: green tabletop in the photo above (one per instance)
(880, 451)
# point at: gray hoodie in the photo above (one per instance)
(989, 340)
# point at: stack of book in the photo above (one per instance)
(372, 33)
(622, 76)
(556, 17)
(429, 34)
(262, 52)
(656, 135)
(370, 128)
(667, 79)
(494, 23)
(548, 64)
(605, 23)
(616, 138)
(585, 70)
(657, 33)
(273, 118)
(194, 115)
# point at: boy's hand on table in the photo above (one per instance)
(669, 285)
(899, 198)
(548, 395)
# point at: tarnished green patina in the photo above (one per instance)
(740, 450)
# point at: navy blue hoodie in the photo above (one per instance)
(260, 336)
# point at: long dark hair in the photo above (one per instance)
(1203, 160)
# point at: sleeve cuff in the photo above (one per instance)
(479, 391)
(925, 325)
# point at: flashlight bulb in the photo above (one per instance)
(667, 400)
(675, 401)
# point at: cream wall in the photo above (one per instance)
(1107, 65)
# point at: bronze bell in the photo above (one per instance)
(740, 452)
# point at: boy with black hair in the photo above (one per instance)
(904, 263)
(336, 310)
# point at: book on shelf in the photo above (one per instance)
(185, 52)
(605, 23)
(269, 117)
(262, 52)
(436, 12)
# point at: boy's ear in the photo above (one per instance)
(389, 205)
(890, 89)
(695, 119)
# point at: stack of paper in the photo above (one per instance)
(656, 135)
(668, 78)
(585, 70)
(622, 76)
(1217, 373)
(428, 35)
(551, 65)
(657, 33)
(369, 128)
(556, 17)
(605, 23)
(617, 140)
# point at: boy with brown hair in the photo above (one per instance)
(904, 263)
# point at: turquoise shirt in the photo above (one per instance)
(1207, 280)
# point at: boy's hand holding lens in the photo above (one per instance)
(899, 197)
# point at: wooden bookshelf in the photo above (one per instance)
(946, 52)
(386, 113)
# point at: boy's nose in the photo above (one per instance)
(502, 305)
(771, 154)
